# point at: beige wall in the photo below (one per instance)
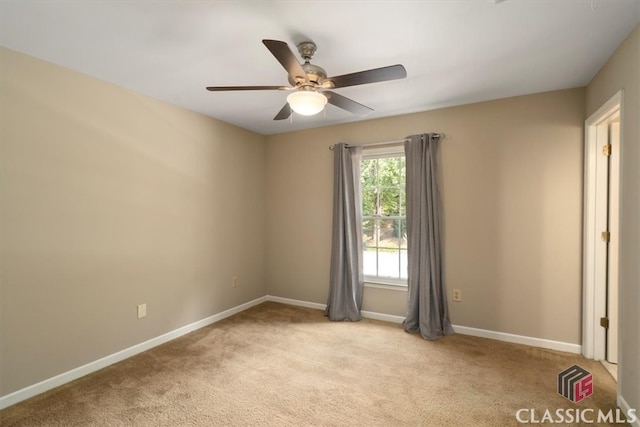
(622, 72)
(110, 199)
(512, 203)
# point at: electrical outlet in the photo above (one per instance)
(234, 282)
(142, 311)
(457, 295)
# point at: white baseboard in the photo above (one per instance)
(65, 377)
(297, 302)
(367, 314)
(464, 330)
(381, 316)
(519, 339)
(622, 404)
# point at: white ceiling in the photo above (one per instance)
(455, 52)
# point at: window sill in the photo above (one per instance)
(388, 286)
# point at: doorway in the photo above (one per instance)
(601, 234)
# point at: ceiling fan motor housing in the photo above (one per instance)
(315, 74)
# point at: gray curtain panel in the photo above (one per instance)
(346, 279)
(427, 311)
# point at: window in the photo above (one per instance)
(382, 175)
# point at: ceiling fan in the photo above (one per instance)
(310, 84)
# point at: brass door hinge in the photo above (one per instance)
(606, 236)
(604, 322)
(606, 150)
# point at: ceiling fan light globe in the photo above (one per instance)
(307, 103)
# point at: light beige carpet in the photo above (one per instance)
(278, 365)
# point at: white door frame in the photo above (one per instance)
(595, 216)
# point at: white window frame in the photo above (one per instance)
(377, 153)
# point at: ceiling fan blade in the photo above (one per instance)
(285, 56)
(284, 113)
(346, 103)
(224, 88)
(391, 72)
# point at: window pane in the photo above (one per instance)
(369, 201)
(386, 238)
(368, 172)
(388, 263)
(368, 235)
(389, 172)
(403, 264)
(369, 262)
(402, 164)
(390, 202)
